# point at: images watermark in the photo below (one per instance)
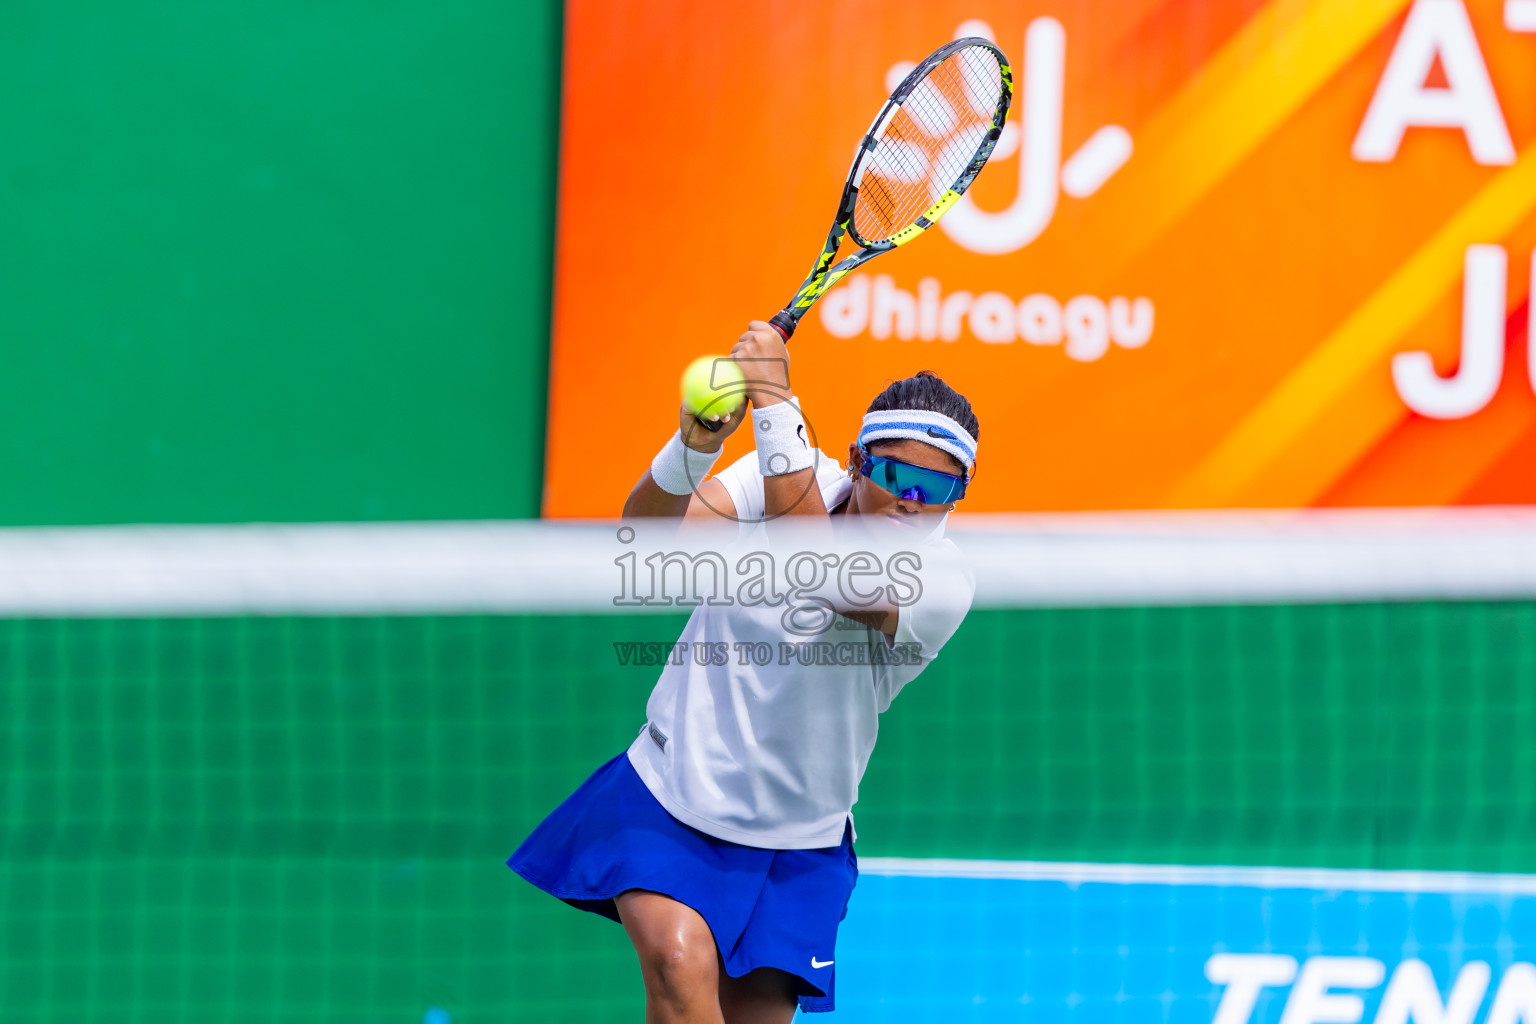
(811, 586)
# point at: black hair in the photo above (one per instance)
(926, 390)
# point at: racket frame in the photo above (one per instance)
(824, 274)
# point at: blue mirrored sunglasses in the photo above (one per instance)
(915, 483)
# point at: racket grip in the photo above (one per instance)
(712, 427)
(783, 323)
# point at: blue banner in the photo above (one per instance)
(1125, 944)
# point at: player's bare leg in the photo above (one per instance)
(765, 996)
(678, 958)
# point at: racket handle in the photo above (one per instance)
(712, 427)
(783, 323)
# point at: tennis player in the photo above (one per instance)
(722, 839)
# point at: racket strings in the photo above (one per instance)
(929, 143)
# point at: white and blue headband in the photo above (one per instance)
(920, 425)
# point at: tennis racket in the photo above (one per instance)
(925, 147)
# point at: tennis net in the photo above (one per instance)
(251, 814)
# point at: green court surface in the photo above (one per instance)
(273, 819)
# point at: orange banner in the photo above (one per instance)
(1234, 254)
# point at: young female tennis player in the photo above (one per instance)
(722, 839)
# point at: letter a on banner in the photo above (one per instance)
(1435, 28)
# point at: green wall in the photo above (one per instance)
(286, 260)
(284, 819)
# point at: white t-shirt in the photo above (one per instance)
(770, 755)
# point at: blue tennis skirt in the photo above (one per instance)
(766, 908)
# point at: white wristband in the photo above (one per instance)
(678, 469)
(779, 431)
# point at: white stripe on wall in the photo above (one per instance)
(1324, 879)
(542, 567)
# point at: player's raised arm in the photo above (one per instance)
(671, 487)
(784, 452)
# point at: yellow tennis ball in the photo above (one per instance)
(712, 386)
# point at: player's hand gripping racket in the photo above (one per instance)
(922, 152)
